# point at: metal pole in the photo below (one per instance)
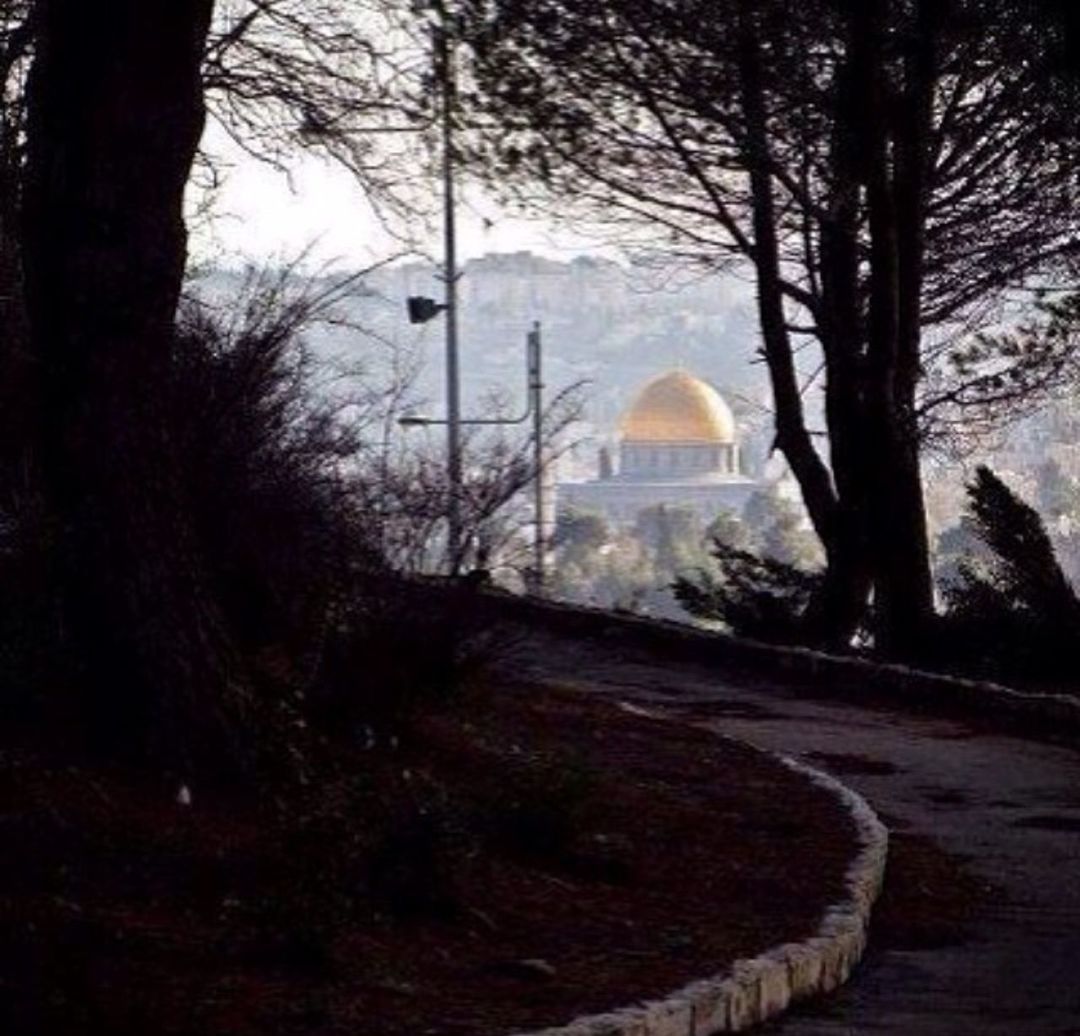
(450, 274)
(536, 387)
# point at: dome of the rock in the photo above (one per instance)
(678, 408)
(678, 446)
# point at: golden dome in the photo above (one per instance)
(678, 408)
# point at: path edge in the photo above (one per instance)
(756, 989)
(849, 677)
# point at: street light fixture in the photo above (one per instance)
(422, 309)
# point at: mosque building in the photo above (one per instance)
(677, 445)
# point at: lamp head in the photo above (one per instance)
(422, 309)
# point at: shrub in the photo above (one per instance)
(30, 627)
(416, 868)
(538, 807)
(396, 645)
(1010, 610)
(262, 452)
(752, 595)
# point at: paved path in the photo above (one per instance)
(1012, 805)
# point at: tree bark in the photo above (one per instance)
(115, 113)
(903, 601)
(842, 336)
(14, 412)
(792, 438)
(833, 501)
(912, 157)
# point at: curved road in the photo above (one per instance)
(1011, 805)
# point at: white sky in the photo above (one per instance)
(263, 213)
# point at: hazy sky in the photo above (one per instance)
(262, 213)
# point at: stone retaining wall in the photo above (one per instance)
(1056, 715)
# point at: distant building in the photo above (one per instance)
(677, 445)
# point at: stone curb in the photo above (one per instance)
(758, 988)
(1056, 714)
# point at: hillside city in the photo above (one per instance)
(610, 327)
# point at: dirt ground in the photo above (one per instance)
(513, 863)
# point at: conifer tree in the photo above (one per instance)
(1024, 574)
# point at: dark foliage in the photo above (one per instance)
(279, 510)
(889, 173)
(321, 626)
(539, 810)
(754, 595)
(1024, 569)
(261, 454)
(1011, 613)
(393, 646)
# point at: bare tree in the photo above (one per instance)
(404, 494)
(340, 78)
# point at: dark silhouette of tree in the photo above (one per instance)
(1010, 610)
(1023, 572)
(279, 76)
(753, 595)
(333, 77)
(15, 37)
(115, 112)
(890, 172)
(95, 154)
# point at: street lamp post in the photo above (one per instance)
(536, 389)
(423, 309)
(450, 275)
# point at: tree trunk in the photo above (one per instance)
(902, 587)
(14, 418)
(839, 607)
(115, 113)
(842, 337)
(912, 157)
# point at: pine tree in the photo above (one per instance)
(1023, 571)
